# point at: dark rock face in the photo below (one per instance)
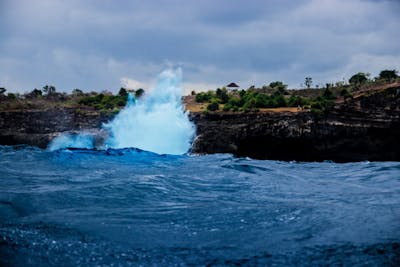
(364, 129)
(38, 127)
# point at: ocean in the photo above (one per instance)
(128, 207)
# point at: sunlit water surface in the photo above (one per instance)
(129, 207)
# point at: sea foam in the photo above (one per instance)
(156, 122)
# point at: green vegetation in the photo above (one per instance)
(279, 86)
(320, 100)
(346, 94)
(48, 97)
(104, 101)
(139, 92)
(213, 106)
(321, 106)
(123, 92)
(204, 96)
(251, 99)
(358, 78)
(388, 75)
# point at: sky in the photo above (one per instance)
(105, 44)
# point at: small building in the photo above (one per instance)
(232, 86)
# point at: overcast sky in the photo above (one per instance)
(105, 44)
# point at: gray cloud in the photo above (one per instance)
(93, 44)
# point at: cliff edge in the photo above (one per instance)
(366, 127)
(39, 127)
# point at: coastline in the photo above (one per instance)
(364, 128)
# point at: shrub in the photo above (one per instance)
(321, 107)
(345, 93)
(235, 102)
(295, 101)
(250, 104)
(227, 107)
(261, 101)
(213, 106)
(328, 94)
(280, 101)
(11, 96)
(204, 97)
(105, 102)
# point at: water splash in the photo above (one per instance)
(82, 140)
(156, 122)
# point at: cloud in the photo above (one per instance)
(94, 44)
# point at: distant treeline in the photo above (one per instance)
(319, 99)
(48, 97)
(276, 94)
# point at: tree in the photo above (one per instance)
(308, 82)
(139, 92)
(388, 75)
(123, 92)
(49, 89)
(77, 91)
(222, 94)
(358, 78)
(35, 93)
(2, 90)
(218, 92)
(276, 84)
(279, 86)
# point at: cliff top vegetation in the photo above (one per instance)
(274, 96)
(48, 97)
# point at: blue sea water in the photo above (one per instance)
(129, 207)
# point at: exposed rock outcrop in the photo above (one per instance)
(38, 127)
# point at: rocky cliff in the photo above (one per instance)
(38, 127)
(365, 128)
